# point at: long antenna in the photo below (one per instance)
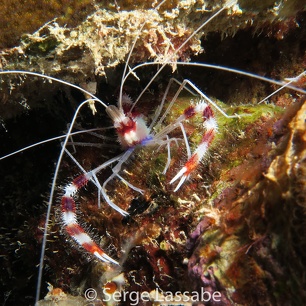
(166, 62)
(54, 79)
(128, 59)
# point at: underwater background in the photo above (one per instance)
(236, 227)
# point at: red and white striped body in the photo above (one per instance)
(132, 131)
(210, 126)
(69, 219)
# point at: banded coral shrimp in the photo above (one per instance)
(166, 244)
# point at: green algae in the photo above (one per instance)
(41, 48)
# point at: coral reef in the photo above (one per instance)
(248, 253)
(235, 227)
(100, 38)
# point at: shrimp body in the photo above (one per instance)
(131, 130)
